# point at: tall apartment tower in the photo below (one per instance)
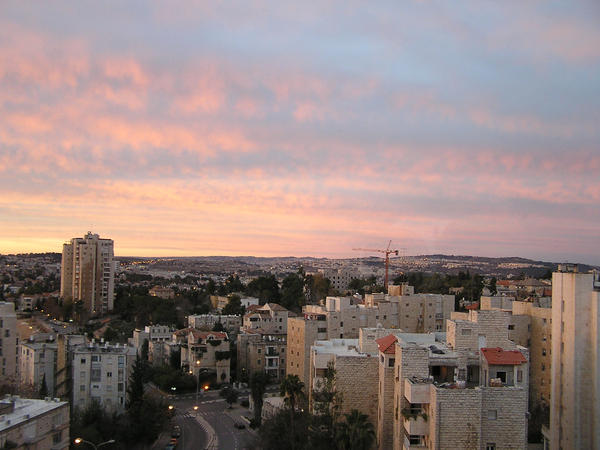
(88, 273)
(575, 400)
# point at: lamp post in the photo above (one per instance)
(96, 447)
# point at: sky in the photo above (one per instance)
(182, 128)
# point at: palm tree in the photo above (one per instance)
(291, 389)
(258, 384)
(356, 433)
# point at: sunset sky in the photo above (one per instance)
(302, 128)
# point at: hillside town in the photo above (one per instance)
(95, 351)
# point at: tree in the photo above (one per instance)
(265, 288)
(231, 396)
(234, 306)
(292, 292)
(355, 433)
(292, 390)
(44, 388)
(327, 403)
(218, 326)
(144, 351)
(258, 385)
(135, 391)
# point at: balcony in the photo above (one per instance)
(417, 390)
(414, 442)
(416, 426)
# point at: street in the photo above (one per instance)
(213, 415)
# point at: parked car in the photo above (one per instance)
(176, 431)
(239, 425)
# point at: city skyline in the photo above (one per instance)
(302, 129)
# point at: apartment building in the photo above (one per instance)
(270, 317)
(37, 363)
(342, 318)
(530, 325)
(8, 342)
(231, 323)
(88, 273)
(575, 400)
(259, 351)
(101, 373)
(340, 278)
(66, 344)
(151, 333)
(465, 389)
(34, 424)
(355, 374)
(204, 352)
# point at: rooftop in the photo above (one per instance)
(338, 347)
(24, 409)
(499, 357)
(387, 344)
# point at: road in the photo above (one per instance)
(213, 410)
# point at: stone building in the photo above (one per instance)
(101, 373)
(231, 323)
(88, 273)
(204, 352)
(37, 364)
(259, 351)
(8, 342)
(151, 333)
(575, 400)
(270, 317)
(355, 374)
(343, 317)
(66, 344)
(340, 278)
(34, 424)
(440, 394)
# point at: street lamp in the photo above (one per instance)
(96, 447)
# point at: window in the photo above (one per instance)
(321, 330)
(543, 352)
(57, 437)
(543, 367)
(82, 388)
(490, 446)
(96, 374)
(120, 387)
(95, 358)
(465, 332)
(391, 362)
(108, 374)
(511, 327)
(492, 414)
(258, 362)
(341, 324)
(519, 376)
(259, 350)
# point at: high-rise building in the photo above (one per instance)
(575, 400)
(8, 342)
(88, 273)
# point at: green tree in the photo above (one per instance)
(265, 288)
(218, 326)
(355, 433)
(135, 390)
(326, 404)
(231, 397)
(258, 385)
(234, 306)
(145, 349)
(292, 292)
(291, 389)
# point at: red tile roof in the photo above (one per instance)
(386, 344)
(498, 357)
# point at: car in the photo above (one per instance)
(176, 431)
(239, 425)
(170, 447)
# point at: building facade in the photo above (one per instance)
(205, 352)
(37, 364)
(575, 400)
(34, 424)
(101, 373)
(88, 273)
(259, 351)
(8, 342)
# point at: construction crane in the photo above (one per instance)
(387, 253)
